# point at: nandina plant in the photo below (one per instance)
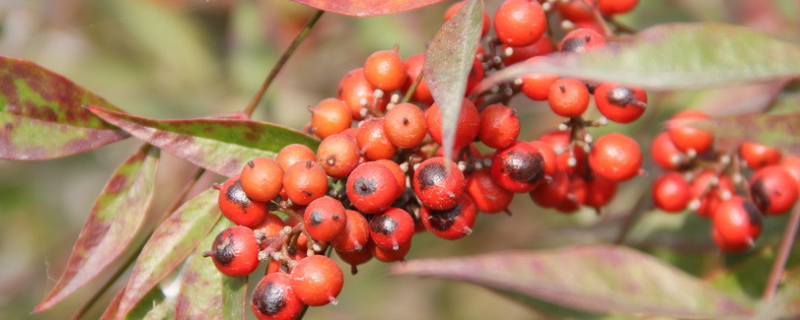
(651, 204)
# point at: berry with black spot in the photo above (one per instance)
(405, 125)
(373, 141)
(519, 22)
(234, 251)
(338, 155)
(467, 126)
(325, 219)
(330, 116)
(487, 195)
(518, 168)
(392, 229)
(317, 280)
(237, 207)
(372, 187)
(274, 299)
(581, 40)
(616, 157)
(355, 234)
(451, 224)
(262, 179)
(774, 190)
(671, 192)
(499, 126)
(737, 223)
(305, 181)
(437, 187)
(620, 103)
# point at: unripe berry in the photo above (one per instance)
(330, 116)
(568, 97)
(262, 179)
(373, 141)
(385, 70)
(305, 182)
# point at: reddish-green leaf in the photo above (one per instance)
(597, 279)
(153, 306)
(204, 290)
(676, 56)
(448, 61)
(776, 130)
(219, 145)
(234, 298)
(41, 115)
(115, 219)
(366, 8)
(170, 244)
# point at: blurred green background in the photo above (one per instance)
(194, 58)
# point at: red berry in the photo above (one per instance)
(355, 234)
(274, 299)
(237, 207)
(568, 97)
(305, 182)
(451, 224)
(665, 154)
(671, 192)
(576, 196)
(581, 40)
(536, 86)
(518, 168)
(325, 219)
(373, 141)
(405, 125)
(688, 139)
(467, 126)
(774, 190)
(317, 280)
(499, 126)
(262, 179)
(456, 6)
(599, 191)
(235, 251)
(552, 193)
(422, 94)
(618, 103)
(609, 7)
(711, 190)
(541, 47)
(338, 155)
(330, 116)
(616, 157)
(385, 70)
(792, 166)
(435, 186)
(519, 22)
(738, 223)
(358, 93)
(488, 196)
(758, 155)
(385, 255)
(356, 257)
(576, 10)
(392, 229)
(294, 153)
(372, 187)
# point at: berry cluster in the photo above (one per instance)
(712, 182)
(367, 190)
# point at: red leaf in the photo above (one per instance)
(112, 224)
(367, 8)
(37, 103)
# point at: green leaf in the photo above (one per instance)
(234, 298)
(202, 285)
(448, 61)
(41, 115)
(776, 130)
(170, 244)
(675, 56)
(367, 8)
(115, 219)
(597, 279)
(219, 145)
(153, 306)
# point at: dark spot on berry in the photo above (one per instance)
(431, 175)
(760, 194)
(383, 224)
(236, 195)
(753, 214)
(524, 167)
(331, 161)
(309, 164)
(224, 250)
(405, 121)
(339, 92)
(9, 126)
(316, 218)
(269, 299)
(444, 219)
(576, 45)
(621, 96)
(307, 193)
(562, 88)
(251, 164)
(365, 186)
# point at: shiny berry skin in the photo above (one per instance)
(385, 255)
(616, 157)
(711, 189)
(738, 223)
(234, 251)
(325, 218)
(774, 190)
(541, 47)
(405, 125)
(356, 257)
(305, 182)
(371, 187)
(792, 166)
(576, 196)
(399, 174)
(237, 207)
(568, 97)
(414, 65)
(609, 7)
(372, 140)
(581, 40)
(665, 154)
(518, 168)
(599, 191)
(551, 194)
(338, 155)
(549, 155)
(330, 116)
(576, 10)
(391, 229)
(451, 224)
(618, 103)
(487, 195)
(688, 138)
(519, 22)
(437, 188)
(294, 153)
(274, 299)
(355, 234)
(536, 86)
(262, 179)
(456, 6)
(758, 155)
(671, 192)
(499, 126)
(385, 70)
(317, 280)
(357, 92)
(467, 127)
